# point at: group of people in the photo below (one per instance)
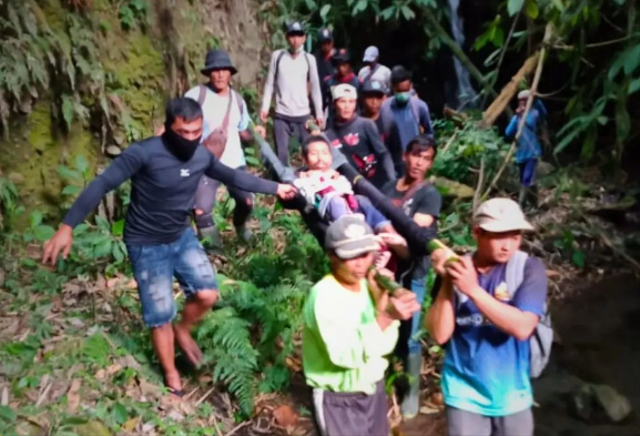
(377, 124)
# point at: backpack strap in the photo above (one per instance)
(306, 58)
(225, 121)
(410, 193)
(275, 76)
(202, 94)
(415, 110)
(371, 72)
(514, 275)
(240, 101)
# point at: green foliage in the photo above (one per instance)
(461, 151)
(133, 12)
(8, 204)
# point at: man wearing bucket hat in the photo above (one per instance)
(293, 75)
(224, 111)
(374, 70)
(486, 308)
(358, 138)
(350, 325)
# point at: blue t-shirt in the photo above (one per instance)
(486, 371)
(528, 145)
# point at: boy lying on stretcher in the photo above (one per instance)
(332, 194)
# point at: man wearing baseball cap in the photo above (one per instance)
(324, 60)
(350, 325)
(293, 75)
(358, 138)
(374, 70)
(486, 307)
(372, 95)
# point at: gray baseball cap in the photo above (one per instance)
(500, 215)
(350, 236)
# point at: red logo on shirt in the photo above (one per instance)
(352, 139)
(336, 143)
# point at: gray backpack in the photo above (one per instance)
(542, 338)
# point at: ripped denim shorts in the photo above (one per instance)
(155, 266)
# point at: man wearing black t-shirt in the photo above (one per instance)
(422, 202)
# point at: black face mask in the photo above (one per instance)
(180, 147)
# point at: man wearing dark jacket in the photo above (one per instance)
(165, 172)
(358, 138)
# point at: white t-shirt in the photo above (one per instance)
(382, 74)
(214, 108)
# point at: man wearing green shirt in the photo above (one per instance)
(350, 325)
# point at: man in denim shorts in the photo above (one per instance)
(165, 172)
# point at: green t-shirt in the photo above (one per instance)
(343, 347)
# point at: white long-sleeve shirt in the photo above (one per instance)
(291, 86)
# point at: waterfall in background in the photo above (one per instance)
(466, 94)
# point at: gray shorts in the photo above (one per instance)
(351, 414)
(463, 423)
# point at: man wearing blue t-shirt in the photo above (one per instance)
(487, 327)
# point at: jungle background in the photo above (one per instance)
(81, 79)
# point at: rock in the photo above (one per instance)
(593, 402)
(451, 188)
(615, 405)
(113, 151)
(176, 416)
(285, 416)
(16, 178)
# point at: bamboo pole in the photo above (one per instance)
(510, 89)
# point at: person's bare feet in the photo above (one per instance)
(187, 344)
(173, 383)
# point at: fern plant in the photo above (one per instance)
(226, 339)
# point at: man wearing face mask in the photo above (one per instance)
(165, 171)
(293, 74)
(404, 116)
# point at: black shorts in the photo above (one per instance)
(351, 414)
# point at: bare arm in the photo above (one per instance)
(507, 318)
(511, 320)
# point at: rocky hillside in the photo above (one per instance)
(86, 77)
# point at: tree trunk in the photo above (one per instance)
(506, 95)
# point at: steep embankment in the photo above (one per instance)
(90, 77)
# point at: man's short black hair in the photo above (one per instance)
(182, 107)
(422, 143)
(312, 139)
(399, 74)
